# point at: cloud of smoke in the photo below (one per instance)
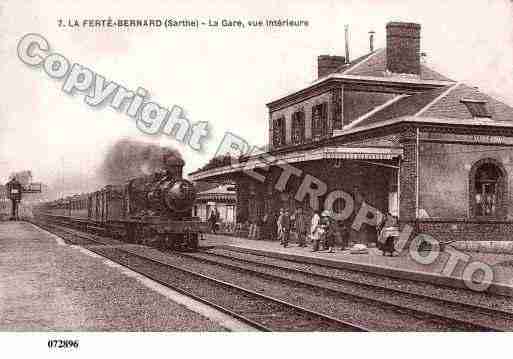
(129, 158)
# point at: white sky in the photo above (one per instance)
(221, 76)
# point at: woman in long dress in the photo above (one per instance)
(316, 231)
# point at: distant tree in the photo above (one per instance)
(24, 177)
(219, 161)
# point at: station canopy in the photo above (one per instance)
(317, 154)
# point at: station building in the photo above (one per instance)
(392, 133)
(221, 197)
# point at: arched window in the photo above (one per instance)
(487, 189)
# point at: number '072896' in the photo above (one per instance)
(62, 343)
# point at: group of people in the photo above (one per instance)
(322, 230)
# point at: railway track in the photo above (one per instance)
(456, 316)
(460, 314)
(258, 310)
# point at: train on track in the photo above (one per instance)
(154, 209)
(5, 209)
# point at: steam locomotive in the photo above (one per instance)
(154, 209)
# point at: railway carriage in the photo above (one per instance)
(5, 209)
(154, 209)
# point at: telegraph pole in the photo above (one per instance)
(62, 177)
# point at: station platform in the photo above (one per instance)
(403, 266)
(47, 285)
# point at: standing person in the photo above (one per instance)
(301, 227)
(279, 230)
(388, 234)
(218, 219)
(315, 231)
(344, 234)
(285, 228)
(293, 230)
(264, 231)
(212, 220)
(329, 231)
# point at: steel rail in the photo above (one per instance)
(334, 322)
(424, 315)
(353, 282)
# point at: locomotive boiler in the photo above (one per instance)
(154, 209)
(163, 193)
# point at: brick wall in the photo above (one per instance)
(242, 191)
(326, 64)
(403, 48)
(467, 230)
(445, 177)
(306, 106)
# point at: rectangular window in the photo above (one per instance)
(476, 108)
(298, 127)
(279, 132)
(319, 121)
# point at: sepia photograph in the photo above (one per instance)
(182, 178)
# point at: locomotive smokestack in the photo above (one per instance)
(173, 165)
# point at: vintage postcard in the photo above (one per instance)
(172, 168)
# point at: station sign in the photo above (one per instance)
(468, 138)
(33, 188)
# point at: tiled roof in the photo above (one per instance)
(217, 194)
(406, 106)
(450, 106)
(445, 102)
(223, 189)
(347, 67)
(374, 64)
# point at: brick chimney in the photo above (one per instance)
(403, 48)
(327, 64)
